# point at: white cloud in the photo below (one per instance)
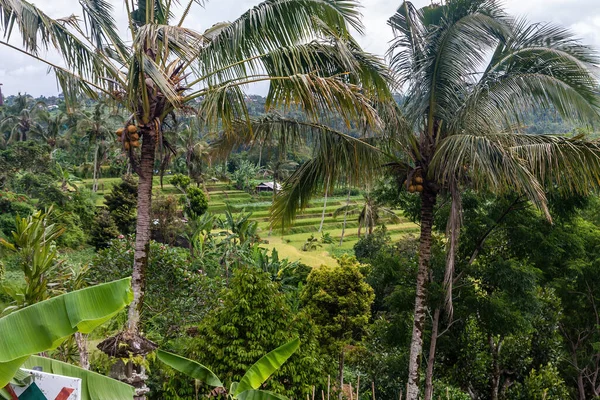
(20, 73)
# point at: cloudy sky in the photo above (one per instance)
(20, 73)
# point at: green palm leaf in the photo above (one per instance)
(43, 326)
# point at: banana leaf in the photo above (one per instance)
(190, 368)
(266, 366)
(259, 395)
(93, 386)
(43, 326)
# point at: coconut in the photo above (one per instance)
(134, 137)
(120, 131)
(132, 129)
(419, 188)
(418, 179)
(412, 188)
(127, 145)
(135, 143)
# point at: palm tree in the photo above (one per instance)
(293, 45)
(23, 119)
(470, 74)
(96, 129)
(369, 213)
(193, 147)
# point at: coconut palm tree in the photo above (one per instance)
(192, 145)
(96, 130)
(302, 48)
(23, 119)
(470, 73)
(369, 213)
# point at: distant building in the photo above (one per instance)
(267, 187)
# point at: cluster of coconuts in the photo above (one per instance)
(132, 137)
(416, 184)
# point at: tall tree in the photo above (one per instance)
(293, 45)
(470, 72)
(96, 129)
(23, 118)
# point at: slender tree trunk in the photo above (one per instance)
(273, 202)
(95, 180)
(431, 356)
(81, 341)
(495, 350)
(428, 198)
(260, 148)
(345, 217)
(142, 231)
(324, 205)
(341, 375)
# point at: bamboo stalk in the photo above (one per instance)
(373, 389)
(313, 396)
(351, 391)
(322, 394)
(328, 385)
(357, 387)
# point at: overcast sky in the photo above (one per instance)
(20, 73)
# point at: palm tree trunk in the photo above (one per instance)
(428, 198)
(345, 217)
(431, 357)
(142, 231)
(273, 201)
(95, 180)
(324, 205)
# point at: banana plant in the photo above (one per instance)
(248, 387)
(45, 325)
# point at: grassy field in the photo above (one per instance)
(290, 243)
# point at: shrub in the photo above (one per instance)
(180, 181)
(104, 230)
(195, 202)
(122, 202)
(166, 225)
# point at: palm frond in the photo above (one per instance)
(336, 157)
(274, 24)
(102, 27)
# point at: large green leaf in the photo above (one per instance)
(93, 386)
(189, 367)
(43, 326)
(259, 395)
(266, 366)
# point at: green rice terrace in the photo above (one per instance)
(299, 199)
(289, 244)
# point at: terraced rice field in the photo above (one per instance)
(288, 244)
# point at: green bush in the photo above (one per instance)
(104, 230)
(195, 202)
(122, 202)
(181, 181)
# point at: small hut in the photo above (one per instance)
(268, 187)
